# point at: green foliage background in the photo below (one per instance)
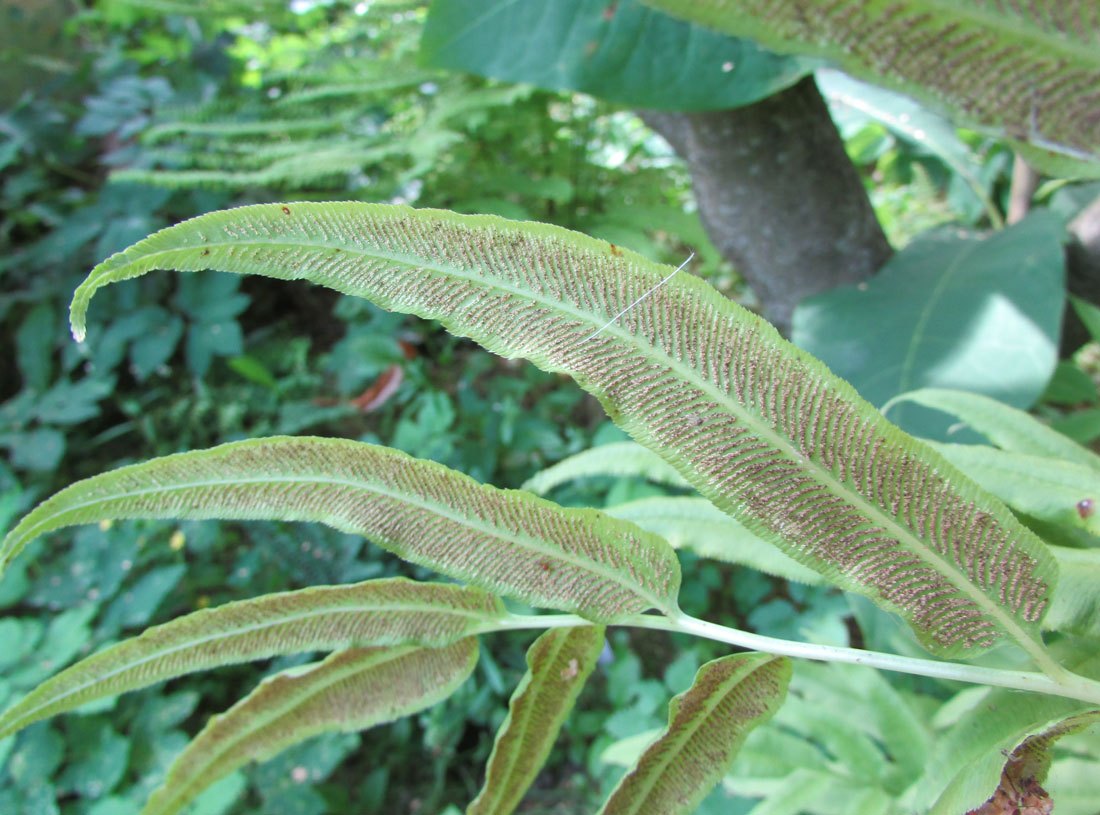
(135, 115)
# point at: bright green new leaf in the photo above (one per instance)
(707, 724)
(324, 618)
(699, 526)
(760, 428)
(505, 541)
(1046, 488)
(624, 458)
(350, 690)
(557, 665)
(1024, 70)
(1005, 426)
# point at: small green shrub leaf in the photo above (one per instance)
(706, 726)
(324, 618)
(760, 428)
(350, 690)
(557, 665)
(505, 541)
(623, 458)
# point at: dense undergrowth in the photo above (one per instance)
(140, 120)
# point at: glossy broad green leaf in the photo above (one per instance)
(505, 541)
(699, 526)
(1046, 488)
(620, 51)
(757, 426)
(351, 690)
(951, 310)
(707, 725)
(624, 458)
(557, 666)
(324, 618)
(1005, 426)
(1024, 70)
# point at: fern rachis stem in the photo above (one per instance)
(1067, 684)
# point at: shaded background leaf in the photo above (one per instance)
(949, 311)
(620, 51)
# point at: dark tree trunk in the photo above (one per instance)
(1082, 272)
(779, 196)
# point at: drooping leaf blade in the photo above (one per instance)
(1007, 427)
(350, 690)
(505, 541)
(757, 426)
(324, 618)
(624, 458)
(558, 664)
(1024, 70)
(706, 726)
(697, 525)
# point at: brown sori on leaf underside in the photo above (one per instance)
(1028, 69)
(759, 427)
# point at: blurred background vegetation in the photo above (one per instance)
(119, 117)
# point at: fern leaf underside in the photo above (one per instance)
(757, 426)
(504, 541)
(1027, 70)
(385, 612)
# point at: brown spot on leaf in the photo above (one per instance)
(1085, 508)
(286, 210)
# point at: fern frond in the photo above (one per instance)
(759, 427)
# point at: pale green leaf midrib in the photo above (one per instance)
(525, 541)
(914, 544)
(249, 629)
